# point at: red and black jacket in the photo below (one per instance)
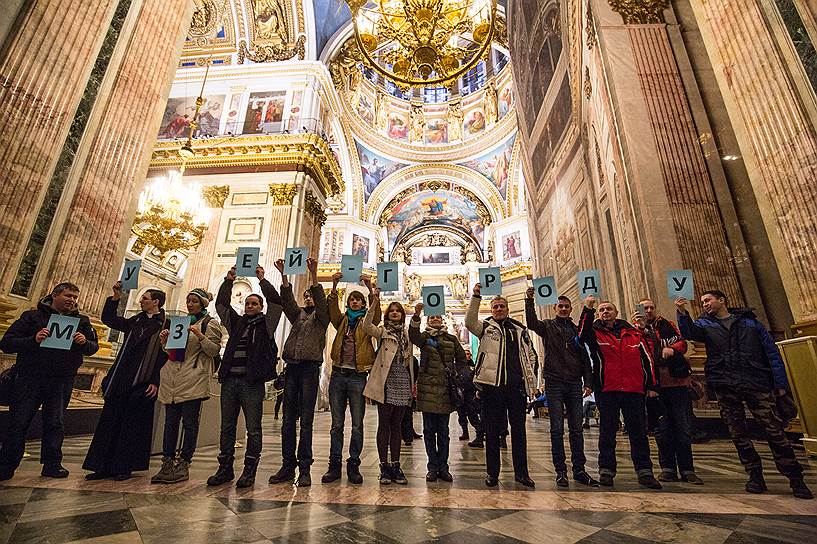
(622, 357)
(664, 334)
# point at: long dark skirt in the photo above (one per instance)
(122, 439)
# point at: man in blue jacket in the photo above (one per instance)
(743, 365)
(45, 377)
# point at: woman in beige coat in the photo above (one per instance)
(184, 384)
(389, 384)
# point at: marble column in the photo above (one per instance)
(91, 240)
(44, 67)
(777, 138)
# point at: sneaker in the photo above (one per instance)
(333, 473)
(691, 478)
(431, 476)
(54, 471)
(585, 479)
(182, 471)
(167, 473)
(606, 480)
(445, 476)
(304, 478)
(385, 474)
(476, 443)
(561, 479)
(397, 475)
(285, 474)
(800, 489)
(649, 481)
(667, 476)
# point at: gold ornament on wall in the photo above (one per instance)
(590, 26)
(313, 207)
(282, 193)
(588, 86)
(215, 195)
(640, 12)
(269, 53)
(271, 22)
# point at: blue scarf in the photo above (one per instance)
(353, 315)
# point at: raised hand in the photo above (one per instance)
(418, 308)
(230, 274)
(336, 279)
(259, 272)
(529, 292)
(590, 301)
(477, 289)
(279, 264)
(117, 290)
(681, 305)
(312, 266)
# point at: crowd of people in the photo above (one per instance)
(624, 365)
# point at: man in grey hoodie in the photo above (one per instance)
(303, 356)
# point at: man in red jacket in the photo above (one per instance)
(623, 373)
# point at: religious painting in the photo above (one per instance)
(179, 112)
(398, 125)
(474, 122)
(440, 207)
(360, 246)
(295, 111)
(436, 131)
(232, 114)
(365, 109)
(495, 165)
(264, 112)
(271, 20)
(374, 168)
(504, 100)
(435, 257)
(511, 246)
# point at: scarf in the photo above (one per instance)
(399, 332)
(353, 315)
(178, 355)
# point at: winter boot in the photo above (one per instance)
(182, 471)
(385, 474)
(397, 475)
(333, 473)
(167, 474)
(756, 483)
(800, 489)
(247, 478)
(224, 473)
(353, 472)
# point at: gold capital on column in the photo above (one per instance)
(313, 207)
(282, 193)
(216, 195)
(640, 12)
(101, 332)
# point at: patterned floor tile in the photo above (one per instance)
(291, 519)
(412, 525)
(668, 529)
(529, 526)
(478, 535)
(57, 530)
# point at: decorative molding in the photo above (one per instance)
(270, 53)
(216, 195)
(282, 193)
(308, 152)
(640, 12)
(313, 207)
(590, 27)
(588, 86)
(519, 270)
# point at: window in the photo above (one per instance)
(392, 89)
(473, 79)
(435, 95)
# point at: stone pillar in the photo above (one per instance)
(777, 138)
(91, 241)
(200, 261)
(44, 68)
(674, 200)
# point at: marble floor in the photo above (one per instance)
(40, 510)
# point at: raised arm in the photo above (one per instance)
(415, 336)
(586, 332)
(472, 322)
(369, 327)
(531, 319)
(224, 309)
(109, 315)
(335, 315)
(688, 328)
(274, 309)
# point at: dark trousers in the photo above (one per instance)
(566, 398)
(435, 436)
(237, 394)
(346, 389)
(389, 429)
(31, 392)
(673, 431)
(188, 413)
(762, 406)
(632, 407)
(301, 388)
(408, 423)
(279, 401)
(501, 406)
(469, 412)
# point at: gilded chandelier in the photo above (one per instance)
(171, 215)
(423, 42)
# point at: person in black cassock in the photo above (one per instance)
(122, 438)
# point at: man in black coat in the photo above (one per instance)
(248, 363)
(744, 367)
(568, 379)
(45, 377)
(124, 432)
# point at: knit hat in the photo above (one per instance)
(204, 296)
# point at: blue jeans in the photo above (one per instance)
(53, 393)
(346, 389)
(435, 436)
(239, 394)
(299, 403)
(564, 397)
(673, 432)
(188, 413)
